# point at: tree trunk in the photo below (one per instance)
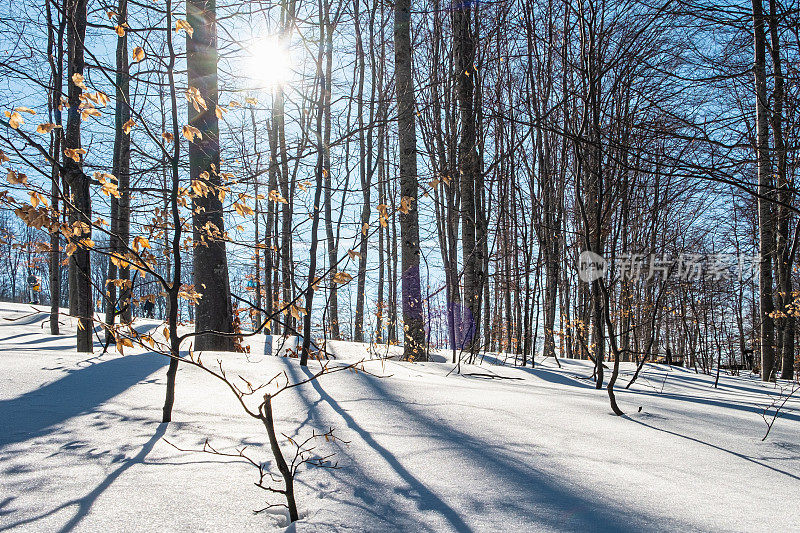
(269, 237)
(214, 310)
(765, 219)
(256, 313)
(332, 241)
(784, 250)
(464, 52)
(364, 169)
(81, 210)
(175, 246)
(278, 118)
(120, 207)
(409, 217)
(55, 40)
(320, 172)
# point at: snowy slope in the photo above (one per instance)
(81, 448)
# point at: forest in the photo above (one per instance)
(601, 187)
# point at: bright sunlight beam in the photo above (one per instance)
(269, 62)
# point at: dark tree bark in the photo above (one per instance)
(120, 207)
(81, 209)
(282, 160)
(464, 55)
(214, 310)
(320, 183)
(409, 185)
(784, 256)
(278, 121)
(480, 265)
(383, 268)
(331, 238)
(765, 207)
(256, 315)
(177, 262)
(591, 168)
(364, 162)
(270, 240)
(55, 49)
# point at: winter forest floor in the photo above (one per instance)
(81, 447)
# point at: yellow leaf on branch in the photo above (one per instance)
(406, 203)
(79, 228)
(88, 99)
(78, 80)
(46, 128)
(190, 132)
(196, 99)
(15, 178)
(342, 277)
(90, 112)
(200, 188)
(296, 311)
(185, 26)
(122, 342)
(15, 120)
(242, 208)
(276, 197)
(74, 153)
(108, 183)
(383, 214)
(140, 242)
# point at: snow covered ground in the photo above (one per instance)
(81, 448)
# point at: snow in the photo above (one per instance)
(81, 448)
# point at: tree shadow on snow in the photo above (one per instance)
(710, 445)
(427, 499)
(787, 412)
(559, 378)
(380, 511)
(84, 504)
(554, 505)
(17, 336)
(547, 502)
(40, 411)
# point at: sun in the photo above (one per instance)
(269, 62)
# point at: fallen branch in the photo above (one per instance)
(778, 404)
(490, 376)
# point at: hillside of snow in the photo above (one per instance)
(419, 448)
